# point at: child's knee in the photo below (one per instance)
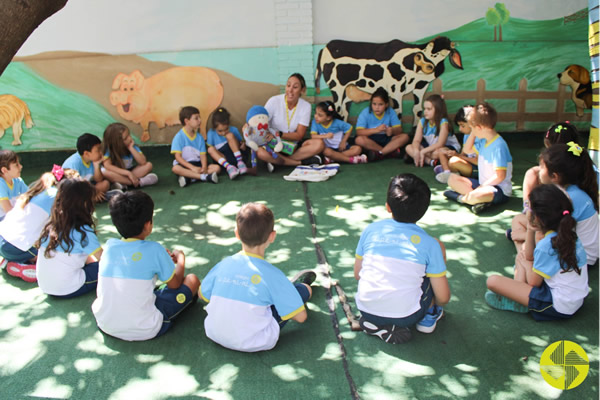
(309, 290)
(492, 282)
(192, 282)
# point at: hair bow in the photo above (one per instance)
(574, 148)
(329, 108)
(58, 172)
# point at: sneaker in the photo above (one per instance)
(307, 276)
(150, 179)
(428, 323)
(504, 303)
(438, 169)
(327, 160)
(360, 159)
(316, 159)
(233, 172)
(374, 156)
(434, 163)
(270, 167)
(452, 195)
(183, 181)
(3, 262)
(479, 207)
(443, 177)
(117, 186)
(408, 159)
(23, 271)
(508, 234)
(241, 166)
(112, 193)
(395, 154)
(212, 178)
(388, 333)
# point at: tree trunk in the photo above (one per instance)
(18, 20)
(500, 30)
(494, 33)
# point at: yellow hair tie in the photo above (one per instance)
(574, 148)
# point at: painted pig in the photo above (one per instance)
(159, 98)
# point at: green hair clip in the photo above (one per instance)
(574, 148)
(559, 128)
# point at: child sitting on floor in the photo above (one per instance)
(128, 305)
(11, 183)
(551, 277)
(495, 165)
(250, 300)
(401, 270)
(225, 144)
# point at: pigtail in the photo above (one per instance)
(565, 243)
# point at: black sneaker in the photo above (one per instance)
(452, 195)
(307, 276)
(316, 159)
(478, 208)
(374, 156)
(408, 159)
(388, 333)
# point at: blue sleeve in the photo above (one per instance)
(135, 146)
(436, 266)
(343, 125)
(4, 193)
(501, 156)
(207, 284)
(236, 133)
(22, 186)
(393, 118)
(165, 267)
(363, 119)
(202, 143)
(313, 127)
(285, 297)
(360, 251)
(177, 143)
(210, 137)
(545, 259)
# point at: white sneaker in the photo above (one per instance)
(182, 181)
(270, 167)
(443, 177)
(150, 179)
(213, 178)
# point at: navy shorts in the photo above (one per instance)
(304, 294)
(380, 139)
(12, 253)
(540, 304)
(414, 318)
(499, 196)
(424, 144)
(91, 281)
(171, 302)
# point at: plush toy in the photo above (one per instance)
(257, 128)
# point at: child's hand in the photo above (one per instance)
(388, 131)
(382, 128)
(342, 145)
(134, 179)
(243, 146)
(450, 153)
(328, 135)
(99, 196)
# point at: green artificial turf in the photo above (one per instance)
(52, 348)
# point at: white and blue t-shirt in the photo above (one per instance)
(86, 171)
(368, 120)
(128, 272)
(218, 141)
(128, 160)
(338, 127)
(62, 273)
(190, 146)
(22, 227)
(241, 290)
(494, 155)
(396, 257)
(569, 288)
(11, 191)
(477, 145)
(587, 221)
(431, 134)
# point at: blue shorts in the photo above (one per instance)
(12, 253)
(171, 302)
(304, 294)
(91, 281)
(380, 139)
(540, 304)
(425, 303)
(499, 196)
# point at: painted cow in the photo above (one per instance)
(354, 70)
(159, 98)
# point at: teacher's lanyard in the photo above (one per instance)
(287, 111)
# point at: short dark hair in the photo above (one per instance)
(255, 223)
(86, 142)
(220, 116)
(462, 113)
(187, 112)
(130, 211)
(408, 197)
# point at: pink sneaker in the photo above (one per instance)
(23, 271)
(241, 166)
(232, 172)
(361, 159)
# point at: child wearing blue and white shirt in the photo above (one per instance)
(225, 144)
(495, 165)
(401, 270)
(329, 126)
(189, 148)
(69, 250)
(128, 306)
(11, 184)
(250, 300)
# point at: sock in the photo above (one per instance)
(238, 156)
(223, 162)
(204, 177)
(432, 163)
(460, 198)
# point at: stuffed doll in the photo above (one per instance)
(257, 128)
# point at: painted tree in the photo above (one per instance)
(504, 17)
(18, 19)
(493, 18)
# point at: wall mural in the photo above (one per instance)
(12, 113)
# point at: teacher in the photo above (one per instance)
(290, 115)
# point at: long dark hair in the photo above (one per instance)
(573, 166)
(554, 212)
(72, 210)
(329, 109)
